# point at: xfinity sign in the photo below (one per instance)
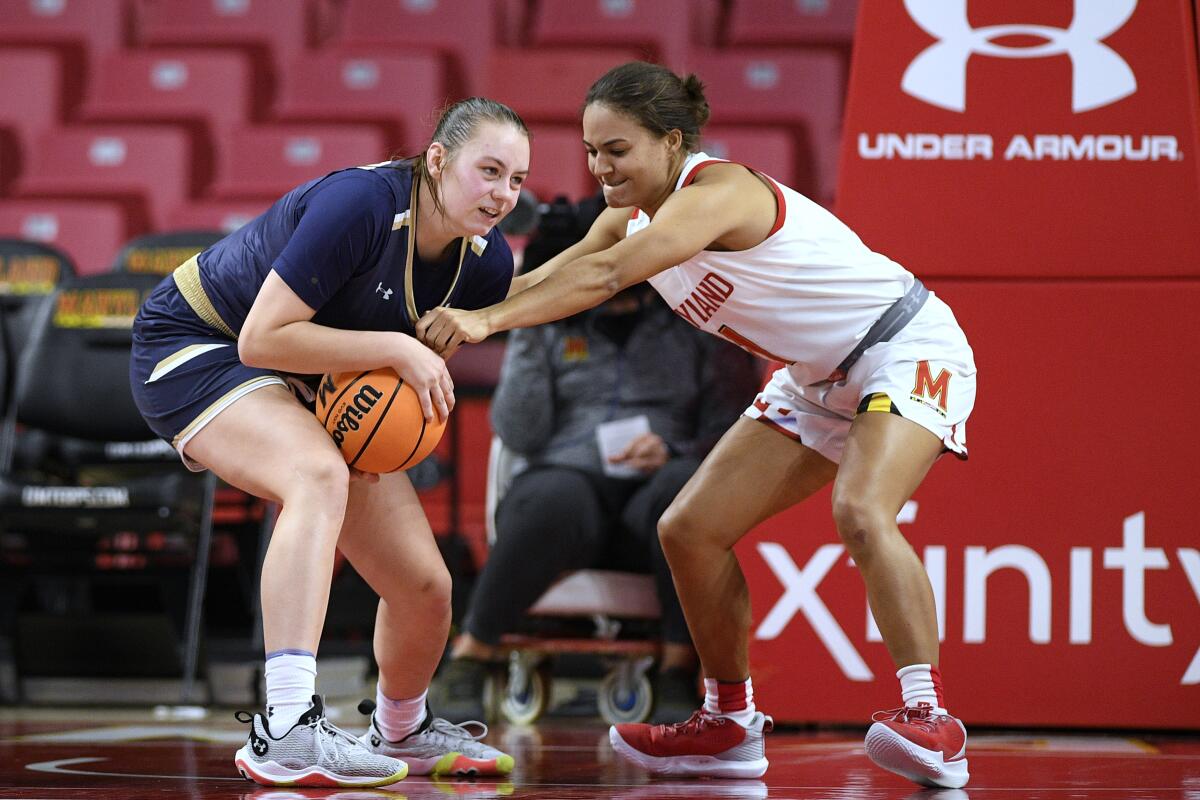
(938, 75)
(1133, 559)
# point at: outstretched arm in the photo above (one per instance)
(690, 220)
(606, 230)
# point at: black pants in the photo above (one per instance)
(555, 519)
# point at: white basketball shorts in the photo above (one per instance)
(925, 373)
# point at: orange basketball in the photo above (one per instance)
(375, 419)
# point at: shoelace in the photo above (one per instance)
(448, 729)
(920, 716)
(698, 721)
(327, 730)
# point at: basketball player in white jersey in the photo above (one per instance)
(877, 383)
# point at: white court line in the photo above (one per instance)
(57, 767)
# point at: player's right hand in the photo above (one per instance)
(425, 371)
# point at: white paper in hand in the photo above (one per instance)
(613, 437)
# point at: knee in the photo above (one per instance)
(861, 525)
(431, 591)
(322, 479)
(679, 530)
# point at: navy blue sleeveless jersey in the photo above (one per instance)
(332, 241)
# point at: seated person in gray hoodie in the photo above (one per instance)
(631, 357)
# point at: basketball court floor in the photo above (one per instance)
(64, 754)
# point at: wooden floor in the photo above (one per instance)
(63, 754)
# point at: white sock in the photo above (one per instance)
(733, 699)
(917, 686)
(398, 718)
(291, 683)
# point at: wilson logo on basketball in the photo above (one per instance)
(375, 420)
(356, 409)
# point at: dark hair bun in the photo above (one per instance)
(694, 89)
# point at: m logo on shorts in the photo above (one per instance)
(1100, 76)
(932, 388)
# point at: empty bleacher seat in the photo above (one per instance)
(399, 92)
(146, 168)
(804, 89)
(463, 30)
(90, 232)
(272, 32)
(80, 30)
(192, 86)
(658, 28)
(791, 22)
(106, 498)
(265, 161)
(28, 272)
(30, 96)
(771, 151)
(558, 163)
(549, 85)
(217, 215)
(161, 253)
(30, 268)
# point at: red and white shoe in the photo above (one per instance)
(927, 748)
(706, 745)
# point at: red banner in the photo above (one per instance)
(1064, 554)
(1025, 137)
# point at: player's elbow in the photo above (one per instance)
(250, 346)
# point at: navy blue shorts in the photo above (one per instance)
(183, 372)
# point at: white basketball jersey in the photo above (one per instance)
(806, 295)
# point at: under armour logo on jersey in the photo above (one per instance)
(387, 293)
(938, 75)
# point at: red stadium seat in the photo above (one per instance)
(513, 22)
(90, 232)
(549, 85)
(80, 29)
(30, 89)
(265, 161)
(771, 151)
(558, 163)
(273, 32)
(802, 89)
(659, 28)
(462, 30)
(401, 92)
(215, 215)
(211, 88)
(147, 168)
(706, 17)
(791, 22)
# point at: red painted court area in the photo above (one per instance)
(65, 755)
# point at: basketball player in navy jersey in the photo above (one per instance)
(333, 278)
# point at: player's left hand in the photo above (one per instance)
(444, 329)
(646, 453)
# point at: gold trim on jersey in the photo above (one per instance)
(187, 278)
(410, 303)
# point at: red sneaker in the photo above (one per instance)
(705, 746)
(927, 748)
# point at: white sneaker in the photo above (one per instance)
(439, 747)
(312, 753)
